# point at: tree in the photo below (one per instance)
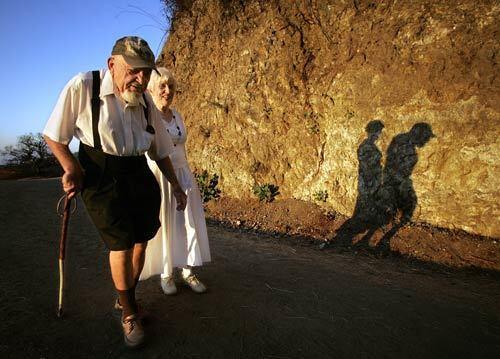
(31, 151)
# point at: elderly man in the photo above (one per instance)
(116, 123)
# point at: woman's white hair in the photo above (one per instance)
(164, 74)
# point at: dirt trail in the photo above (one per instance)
(267, 298)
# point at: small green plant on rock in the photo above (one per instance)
(313, 127)
(207, 185)
(266, 192)
(320, 196)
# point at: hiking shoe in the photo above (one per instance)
(133, 333)
(118, 305)
(168, 285)
(195, 284)
(142, 314)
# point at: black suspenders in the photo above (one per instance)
(149, 128)
(96, 104)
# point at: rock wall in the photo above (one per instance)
(387, 106)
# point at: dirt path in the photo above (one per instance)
(267, 299)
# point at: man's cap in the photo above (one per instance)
(135, 51)
(421, 133)
(422, 129)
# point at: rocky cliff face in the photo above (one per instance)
(389, 107)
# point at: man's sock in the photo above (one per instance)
(127, 300)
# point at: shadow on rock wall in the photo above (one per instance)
(386, 197)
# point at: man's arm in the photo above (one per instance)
(165, 166)
(72, 179)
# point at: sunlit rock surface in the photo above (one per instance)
(283, 92)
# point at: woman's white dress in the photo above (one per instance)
(182, 239)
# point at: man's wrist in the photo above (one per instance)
(72, 168)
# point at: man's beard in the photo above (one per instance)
(132, 98)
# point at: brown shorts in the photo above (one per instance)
(122, 198)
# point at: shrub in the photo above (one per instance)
(320, 196)
(207, 185)
(266, 192)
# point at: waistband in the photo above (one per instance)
(115, 164)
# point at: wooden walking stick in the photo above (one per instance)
(62, 246)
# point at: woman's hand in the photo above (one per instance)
(180, 198)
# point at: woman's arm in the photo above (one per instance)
(165, 166)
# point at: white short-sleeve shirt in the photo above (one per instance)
(122, 128)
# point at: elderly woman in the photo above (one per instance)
(182, 240)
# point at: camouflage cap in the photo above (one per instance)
(135, 51)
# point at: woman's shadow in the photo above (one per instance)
(386, 197)
(364, 220)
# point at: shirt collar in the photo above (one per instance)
(107, 87)
(107, 84)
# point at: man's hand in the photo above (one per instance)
(72, 182)
(180, 198)
(72, 179)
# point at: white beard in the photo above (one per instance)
(132, 98)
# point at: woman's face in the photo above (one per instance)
(165, 94)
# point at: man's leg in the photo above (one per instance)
(138, 260)
(123, 278)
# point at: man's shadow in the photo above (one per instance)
(386, 197)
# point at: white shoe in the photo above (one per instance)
(168, 285)
(195, 284)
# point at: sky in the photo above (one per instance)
(46, 43)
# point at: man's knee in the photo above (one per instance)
(141, 247)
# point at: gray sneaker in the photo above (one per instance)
(133, 333)
(168, 285)
(195, 284)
